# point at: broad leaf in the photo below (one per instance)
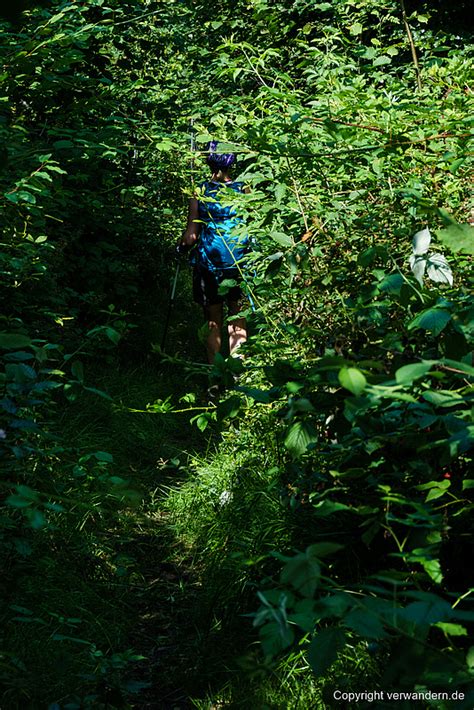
(408, 373)
(284, 240)
(392, 283)
(356, 28)
(470, 658)
(302, 572)
(451, 629)
(433, 569)
(21, 196)
(381, 60)
(421, 242)
(328, 507)
(458, 238)
(77, 370)
(365, 623)
(321, 549)
(298, 436)
(324, 649)
(12, 341)
(418, 267)
(275, 637)
(352, 379)
(438, 269)
(425, 613)
(433, 319)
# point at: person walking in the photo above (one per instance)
(218, 251)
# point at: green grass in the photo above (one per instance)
(165, 565)
(104, 564)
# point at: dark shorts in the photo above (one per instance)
(206, 285)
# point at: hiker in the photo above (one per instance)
(217, 252)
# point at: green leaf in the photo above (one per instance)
(112, 334)
(13, 341)
(352, 379)
(229, 408)
(280, 192)
(435, 489)
(451, 629)
(456, 164)
(408, 373)
(21, 610)
(365, 623)
(459, 365)
(442, 398)
(225, 286)
(202, 421)
(77, 370)
(275, 637)
(62, 637)
(21, 196)
(324, 649)
(100, 393)
(63, 144)
(433, 319)
(257, 395)
(392, 283)
(382, 59)
(17, 501)
(356, 28)
(36, 518)
(28, 492)
(103, 456)
(282, 239)
(302, 572)
(322, 549)
(433, 569)
(366, 257)
(458, 238)
(425, 613)
(470, 658)
(299, 435)
(328, 507)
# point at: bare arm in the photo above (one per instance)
(191, 233)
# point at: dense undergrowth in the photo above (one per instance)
(309, 534)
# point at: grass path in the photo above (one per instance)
(147, 573)
(151, 452)
(140, 605)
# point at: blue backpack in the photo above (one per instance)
(219, 247)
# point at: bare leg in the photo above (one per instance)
(237, 329)
(214, 323)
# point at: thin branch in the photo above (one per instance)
(254, 69)
(346, 123)
(298, 195)
(412, 45)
